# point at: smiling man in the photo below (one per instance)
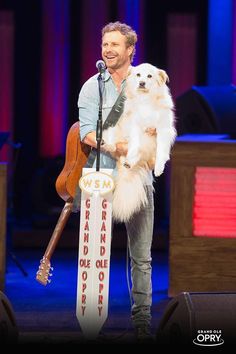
(118, 49)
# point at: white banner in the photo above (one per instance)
(94, 250)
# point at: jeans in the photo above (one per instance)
(140, 233)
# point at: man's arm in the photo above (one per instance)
(90, 139)
(121, 147)
(88, 102)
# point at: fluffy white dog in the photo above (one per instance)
(148, 105)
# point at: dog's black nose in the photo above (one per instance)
(142, 84)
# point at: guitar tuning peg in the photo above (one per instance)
(50, 274)
(51, 268)
(49, 280)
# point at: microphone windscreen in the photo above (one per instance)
(100, 65)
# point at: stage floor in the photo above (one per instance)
(47, 314)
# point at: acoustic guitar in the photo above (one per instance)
(66, 185)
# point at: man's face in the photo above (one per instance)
(114, 50)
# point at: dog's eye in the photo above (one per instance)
(149, 76)
(138, 75)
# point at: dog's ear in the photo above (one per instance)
(128, 88)
(129, 71)
(162, 77)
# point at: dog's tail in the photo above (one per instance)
(129, 194)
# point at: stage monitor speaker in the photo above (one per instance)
(8, 327)
(207, 110)
(203, 319)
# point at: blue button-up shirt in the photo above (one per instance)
(88, 104)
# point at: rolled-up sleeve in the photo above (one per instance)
(88, 105)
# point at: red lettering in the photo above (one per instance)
(100, 310)
(86, 226)
(100, 299)
(84, 263)
(104, 203)
(86, 237)
(83, 299)
(104, 215)
(103, 228)
(101, 276)
(101, 286)
(84, 286)
(102, 250)
(84, 275)
(103, 238)
(87, 203)
(101, 263)
(87, 213)
(85, 250)
(83, 310)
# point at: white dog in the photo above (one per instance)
(148, 105)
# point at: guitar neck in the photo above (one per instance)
(65, 213)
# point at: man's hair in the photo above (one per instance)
(127, 31)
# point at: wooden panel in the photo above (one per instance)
(3, 192)
(197, 263)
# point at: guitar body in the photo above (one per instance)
(76, 157)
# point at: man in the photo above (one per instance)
(118, 49)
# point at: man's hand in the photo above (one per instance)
(151, 131)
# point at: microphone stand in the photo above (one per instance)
(99, 121)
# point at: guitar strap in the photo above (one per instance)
(111, 121)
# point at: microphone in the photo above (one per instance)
(100, 65)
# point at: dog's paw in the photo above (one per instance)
(123, 162)
(158, 172)
(159, 169)
(126, 165)
(129, 164)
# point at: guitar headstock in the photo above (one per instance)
(43, 273)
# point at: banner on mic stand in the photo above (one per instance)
(94, 250)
